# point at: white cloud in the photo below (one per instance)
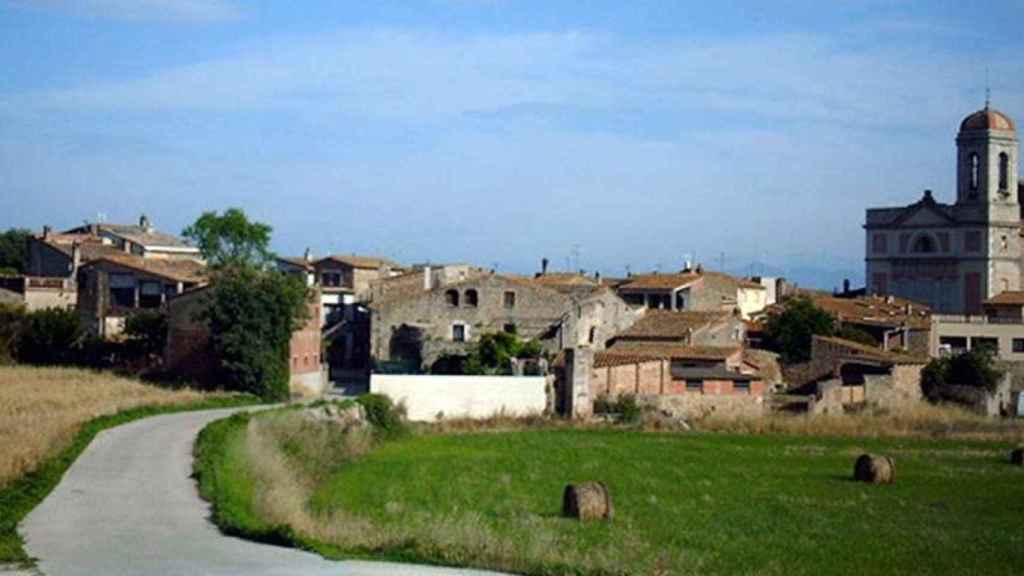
(137, 10)
(415, 76)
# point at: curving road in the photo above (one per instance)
(129, 506)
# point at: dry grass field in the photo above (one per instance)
(41, 409)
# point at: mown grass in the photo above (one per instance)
(67, 408)
(698, 503)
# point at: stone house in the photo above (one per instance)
(188, 354)
(54, 259)
(417, 317)
(1000, 328)
(111, 288)
(854, 374)
(684, 381)
(694, 289)
(342, 280)
(683, 328)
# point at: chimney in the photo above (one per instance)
(47, 232)
(308, 256)
(144, 223)
(427, 280)
(544, 266)
(76, 258)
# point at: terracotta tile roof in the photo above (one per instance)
(298, 261)
(1007, 298)
(672, 351)
(176, 270)
(565, 282)
(148, 237)
(671, 324)
(870, 310)
(364, 262)
(872, 353)
(767, 363)
(92, 247)
(659, 281)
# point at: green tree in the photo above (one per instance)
(974, 368)
(147, 329)
(252, 315)
(12, 322)
(51, 336)
(790, 332)
(14, 250)
(494, 353)
(231, 239)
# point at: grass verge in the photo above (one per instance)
(24, 493)
(698, 503)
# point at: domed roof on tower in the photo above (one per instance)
(988, 119)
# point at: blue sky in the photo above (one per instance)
(499, 131)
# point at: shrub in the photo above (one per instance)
(12, 321)
(625, 405)
(387, 418)
(494, 352)
(50, 336)
(973, 368)
(148, 331)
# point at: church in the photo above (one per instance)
(952, 257)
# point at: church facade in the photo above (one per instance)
(952, 257)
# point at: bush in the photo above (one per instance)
(973, 368)
(625, 405)
(147, 330)
(387, 419)
(50, 336)
(494, 352)
(12, 322)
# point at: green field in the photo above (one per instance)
(684, 503)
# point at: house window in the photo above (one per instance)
(150, 294)
(694, 385)
(593, 334)
(742, 386)
(878, 244)
(1018, 345)
(122, 290)
(975, 172)
(452, 297)
(1004, 171)
(972, 241)
(330, 279)
(680, 300)
(924, 245)
(510, 299)
(509, 328)
(471, 298)
(458, 332)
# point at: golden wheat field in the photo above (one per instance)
(41, 409)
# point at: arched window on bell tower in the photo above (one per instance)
(1004, 171)
(975, 167)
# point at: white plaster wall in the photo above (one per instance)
(463, 396)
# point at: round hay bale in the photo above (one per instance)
(874, 469)
(587, 501)
(1017, 456)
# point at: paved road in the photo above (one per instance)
(129, 506)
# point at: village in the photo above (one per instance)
(491, 288)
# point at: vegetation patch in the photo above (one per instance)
(66, 409)
(696, 503)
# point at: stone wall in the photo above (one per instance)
(697, 406)
(428, 398)
(430, 317)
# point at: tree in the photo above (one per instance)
(51, 336)
(252, 315)
(14, 250)
(790, 332)
(230, 239)
(975, 368)
(494, 353)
